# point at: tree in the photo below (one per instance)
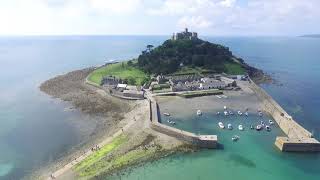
(149, 47)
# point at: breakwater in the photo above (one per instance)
(299, 139)
(202, 141)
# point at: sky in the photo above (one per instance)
(159, 17)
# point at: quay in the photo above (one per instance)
(298, 138)
(202, 141)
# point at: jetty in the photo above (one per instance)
(298, 138)
(202, 141)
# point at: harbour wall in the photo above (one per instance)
(299, 139)
(202, 141)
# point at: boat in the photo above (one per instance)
(240, 127)
(268, 128)
(166, 114)
(199, 113)
(221, 125)
(235, 138)
(224, 107)
(218, 96)
(271, 122)
(258, 127)
(251, 127)
(230, 112)
(246, 113)
(239, 113)
(230, 126)
(260, 114)
(262, 123)
(171, 122)
(226, 113)
(218, 113)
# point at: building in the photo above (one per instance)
(110, 81)
(185, 35)
(229, 82)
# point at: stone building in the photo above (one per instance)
(185, 35)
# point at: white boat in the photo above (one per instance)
(239, 113)
(224, 107)
(246, 113)
(171, 122)
(271, 122)
(230, 112)
(262, 123)
(260, 114)
(221, 125)
(226, 113)
(258, 127)
(235, 138)
(268, 128)
(218, 96)
(230, 127)
(251, 127)
(166, 114)
(199, 113)
(240, 127)
(218, 113)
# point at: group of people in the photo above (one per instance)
(95, 148)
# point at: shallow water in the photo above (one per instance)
(35, 130)
(294, 63)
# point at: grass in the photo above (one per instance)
(234, 68)
(120, 70)
(189, 70)
(98, 155)
(131, 157)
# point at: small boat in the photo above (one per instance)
(268, 128)
(239, 113)
(199, 113)
(230, 127)
(230, 112)
(166, 114)
(240, 127)
(224, 107)
(271, 122)
(171, 122)
(260, 114)
(226, 113)
(221, 125)
(246, 113)
(262, 123)
(218, 113)
(218, 96)
(251, 127)
(235, 138)
(258, 127)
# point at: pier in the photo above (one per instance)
(298, 138)
(202, 141)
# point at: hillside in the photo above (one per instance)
(173, 55)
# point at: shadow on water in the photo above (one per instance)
(241, 160)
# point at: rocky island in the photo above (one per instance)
(185, 71)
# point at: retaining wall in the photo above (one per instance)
(299, 139)
(203, 141)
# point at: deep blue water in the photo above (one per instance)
(35, 129)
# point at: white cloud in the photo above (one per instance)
(194, 22)
(116, 6)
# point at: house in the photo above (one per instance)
(110, 81)
(229, 82)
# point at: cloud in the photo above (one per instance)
(116, 6)
(193, 22)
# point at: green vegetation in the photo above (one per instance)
(189, 56)
(85, 166)
(160, 86)
(234, 68)
(200, 93)
(126, 71)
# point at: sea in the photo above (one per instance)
(35, 129)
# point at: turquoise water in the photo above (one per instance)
(35, 130)
(294, 63)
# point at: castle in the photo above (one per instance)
(185, 35)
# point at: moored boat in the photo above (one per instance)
(239, 113)
(246, 113)
(268, 128)
(251, 127)
(230, 126)
(218, 113)
(226, 113)
(199, 113)
(221, 125)
(258, 127)
(271, 122)
(240, 127)
(235, 138)
(166, 114)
